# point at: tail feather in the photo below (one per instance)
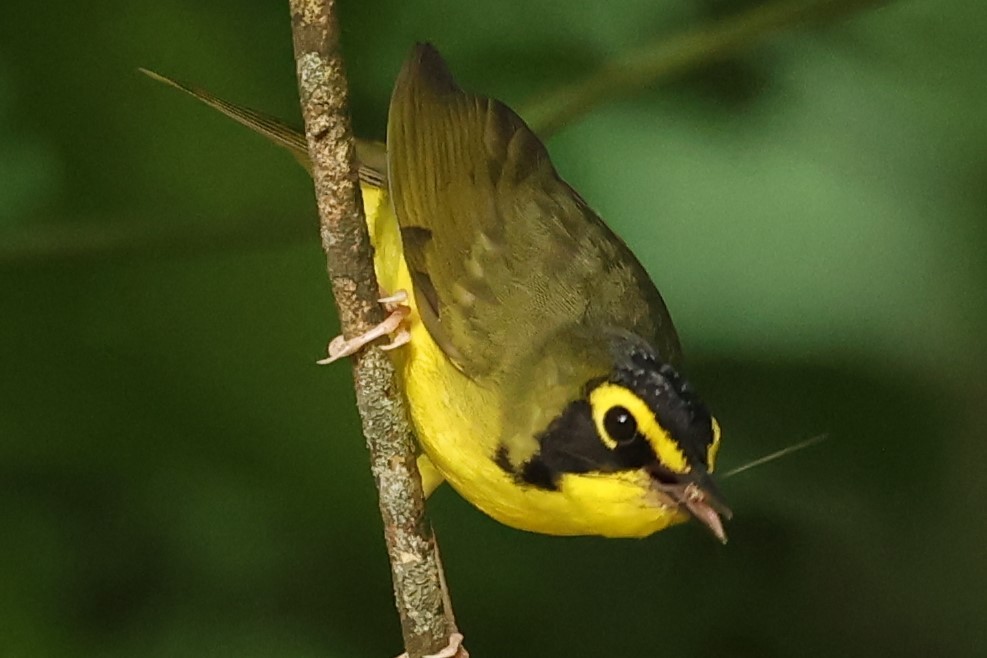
(372, 156)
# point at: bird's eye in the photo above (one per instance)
(620, 424)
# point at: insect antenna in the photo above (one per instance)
(760, 461)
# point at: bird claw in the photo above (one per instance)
(340, 347)
(402, 337)
(391, 302)
(454, 649)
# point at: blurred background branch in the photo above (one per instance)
(672, 56)
(659, 61)
(79, 240)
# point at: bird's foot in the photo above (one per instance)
(398, 310)
(454, 649)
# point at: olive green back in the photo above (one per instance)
(503, 253)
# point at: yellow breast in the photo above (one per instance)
(458, 425)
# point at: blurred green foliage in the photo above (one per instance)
(178, 478)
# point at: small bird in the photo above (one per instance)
(539, 362)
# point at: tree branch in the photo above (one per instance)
(322, 87)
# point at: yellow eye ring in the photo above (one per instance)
(608, 396)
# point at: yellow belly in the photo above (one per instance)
(458, 425)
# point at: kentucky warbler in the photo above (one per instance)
(542, 370)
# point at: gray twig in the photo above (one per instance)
(418, 591)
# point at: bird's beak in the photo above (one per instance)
(699, 496)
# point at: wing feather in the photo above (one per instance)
(512, 252)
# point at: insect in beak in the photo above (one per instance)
(706, 508)
(699, 497)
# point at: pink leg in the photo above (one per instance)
(454, 649)
(340, 347)
(391, 301)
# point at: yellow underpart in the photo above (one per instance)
(606, 396)
(458, 425)
(431, 477)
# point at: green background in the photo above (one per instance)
(177, 477)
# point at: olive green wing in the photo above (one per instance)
(502, 252)
(371, 155)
